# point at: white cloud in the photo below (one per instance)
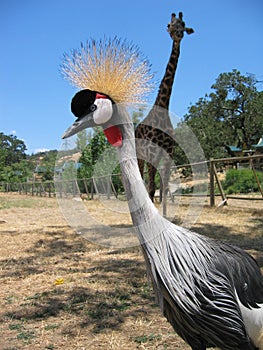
(38, 150)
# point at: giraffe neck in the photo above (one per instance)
(165, 88)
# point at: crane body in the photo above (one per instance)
(210, 292)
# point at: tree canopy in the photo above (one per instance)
(13, 164)
(231, 114)
(12, 150)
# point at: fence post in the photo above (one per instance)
(224, 202)
(49, 189)
(113, 188)
(108, 186)
(212, 183)
(86, 187)
(92, 188)
(256, 177)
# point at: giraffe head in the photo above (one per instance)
(176, 28)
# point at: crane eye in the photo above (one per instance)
(93, 108)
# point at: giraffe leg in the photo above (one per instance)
(151, 184)
(141, 167)
(165, 174)
(161, 189)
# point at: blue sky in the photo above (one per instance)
(34, 34)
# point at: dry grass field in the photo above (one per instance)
(59, 291)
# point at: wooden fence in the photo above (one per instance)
(237, 162)
(106, 187)
(43, 189)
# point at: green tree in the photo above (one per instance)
(237, 102)
(13, 164)
(17, 172)
(208, 129)
(12, 150)
(44, 164)
(231, 115)
(91, 153)
(48, 163)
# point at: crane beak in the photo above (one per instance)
(80, 124)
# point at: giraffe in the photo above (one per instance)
(154, 135)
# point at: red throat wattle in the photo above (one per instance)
(114, 135)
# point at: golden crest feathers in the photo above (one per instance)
(110, 66)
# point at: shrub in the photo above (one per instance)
(241, 181)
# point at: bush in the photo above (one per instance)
(241, 181)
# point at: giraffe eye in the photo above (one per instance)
(93, 108)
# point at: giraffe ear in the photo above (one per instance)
(104, 110)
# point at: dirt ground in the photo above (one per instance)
(59, 291)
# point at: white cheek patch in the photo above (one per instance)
(103, 112)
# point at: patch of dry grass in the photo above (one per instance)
(60, 291)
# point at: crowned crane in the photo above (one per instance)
(209, 291)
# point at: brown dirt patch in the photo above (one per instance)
(58, 291)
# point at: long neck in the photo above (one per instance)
(142, 210)
(165, 88)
